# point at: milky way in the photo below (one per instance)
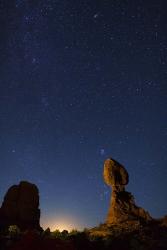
(81, 81)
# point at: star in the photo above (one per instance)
(96, 15)
(102, 151)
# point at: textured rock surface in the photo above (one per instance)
(122, 205)
(115, 175)
(20, 207)
(132, 235)
(164, 221)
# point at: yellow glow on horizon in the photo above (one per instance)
(64, 223)
(61, 227)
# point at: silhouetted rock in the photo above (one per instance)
(20, 207)
(122, 205)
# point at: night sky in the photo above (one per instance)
(81, 81)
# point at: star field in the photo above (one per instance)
(81, 81)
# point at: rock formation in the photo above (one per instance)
(20, 207)
(122, 207)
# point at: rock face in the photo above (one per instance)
(20, 207)
(122, 207)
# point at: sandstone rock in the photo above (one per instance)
(122, 205)
(20, 207)
(115, 175)
(164, 221)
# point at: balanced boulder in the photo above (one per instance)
(122, 207)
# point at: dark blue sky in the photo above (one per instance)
(81, 81)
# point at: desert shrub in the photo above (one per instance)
(64, 234)
(80, 241)
(14, 231)
(56, 234)
(73, 232)
(46, 233)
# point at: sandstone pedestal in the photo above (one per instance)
(122, 206)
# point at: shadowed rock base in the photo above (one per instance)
(123, 208)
